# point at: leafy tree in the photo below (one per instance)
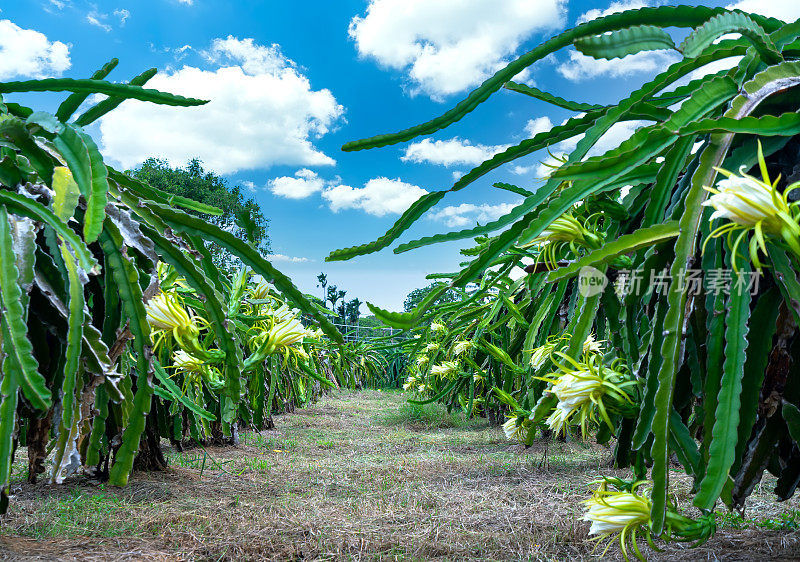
(370, 322)
(322, 281)
(417, 295)
(353, 310)
(335, 295)
(241, 216)
(332, 295)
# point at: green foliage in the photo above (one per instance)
(415, 297)
(193, 182)
(682, 369)
(118, 322)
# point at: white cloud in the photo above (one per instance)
(285, 258)
(546, 167)
(28, 53)
(379, 196)
(448, 46)
(253, 58)
(123, 15)
(616, 134)
(612, 138)
(97, 19)
(580, 67)
(262, 112)
(786, 10)
(186, 2)
(522, 170)
(304, 183)
(539, 125)
(469, 214)
(781, 9)
(711, 68)
(613, 8)
(451, 152)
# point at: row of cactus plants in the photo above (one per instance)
(117, 327)
(690, 350)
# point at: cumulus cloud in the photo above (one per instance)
(580, 67)
(29, 53)
(304, 183)
(285, 258)
(379, 196)
(786, 10)
(448, 46)
(613, 8)
(468, 214)
(262, 112)
(539, 125)
(451, 152)
(522, 170)
(252, 58)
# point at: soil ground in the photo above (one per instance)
(361, 476)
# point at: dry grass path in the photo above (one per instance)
(358, 476)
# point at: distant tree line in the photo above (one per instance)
(349, 311)
(241, 215)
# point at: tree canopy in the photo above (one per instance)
(417, 295)
(241, 216)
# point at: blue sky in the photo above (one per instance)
(290, 82)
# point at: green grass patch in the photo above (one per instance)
(84, 513)
(425, 416)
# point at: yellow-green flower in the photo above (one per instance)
(461, 347)
(586, 388)
(445, 369)
(753, 205)
(565, 232)
(558, 420)
(623, 513)
(191, 365)
(260, 291)
(517, 427)
(282, 330)
(185, 362)
(591, 345)
(165, 313)
(410, 383)
(282, 333)
(541, 354)
(438, 328)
